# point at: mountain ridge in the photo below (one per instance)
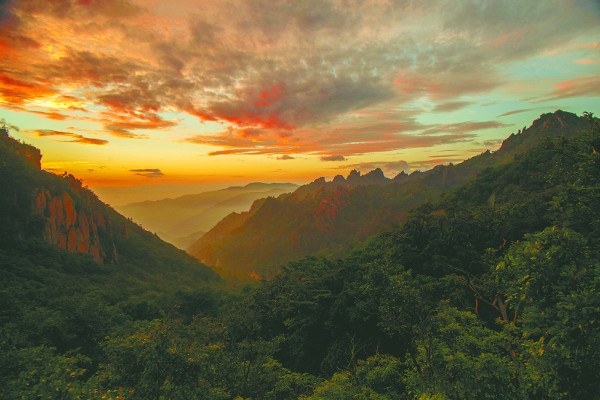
(328, 217)
(175, 219)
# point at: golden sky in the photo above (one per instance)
(124, 93)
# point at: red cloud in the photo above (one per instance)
(17, 92)
(269, 96)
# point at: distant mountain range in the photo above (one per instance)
(37, 206)
(331, 217)
(183, 220)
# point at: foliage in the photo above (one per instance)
(492, 292)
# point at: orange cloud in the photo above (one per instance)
(341, 141)
(591, 45)
(49, 114)
(293, 78)
(76, 138)
(587, 61)
(515, 112)
(17, 92)
(588, 86)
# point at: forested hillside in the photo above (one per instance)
(329, 218)
(36, 205)
(74, 271)
(490, 292)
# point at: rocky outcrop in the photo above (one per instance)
(375, 177)
(32, 154)
(400, 177)
(76, 226)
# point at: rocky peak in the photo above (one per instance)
(547, 125)
(375, 177)
(557, 120)
(353, 177)
(400, 177)
(339, 180)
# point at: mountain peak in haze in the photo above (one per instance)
(182, 220)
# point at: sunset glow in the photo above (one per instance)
(124, 93)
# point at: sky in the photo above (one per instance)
(158, 97)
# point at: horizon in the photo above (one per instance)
(165, 99)
(120, 196)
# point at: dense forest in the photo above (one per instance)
(490, 292)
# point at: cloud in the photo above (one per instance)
(312, 99)
(515, 112)
(14, 91)
(50, 115)
(492, 143)
(148, 172)
(591, 45)
(464, 127)
(587, 61)
(85, 67)
(576, 87)
(447, 84)
(348, 139)
(286, 157)
(451, 106)
(333, 158)
(122, 128)
(76, 138)
(75, 8)
(302, 77)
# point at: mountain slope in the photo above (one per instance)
(330, 217)
(176, 219)
(39, 206)
(450, 293)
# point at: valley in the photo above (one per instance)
(473, 280)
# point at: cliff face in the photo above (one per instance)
(37, 205)
(75, 227)
(32, 155)
(57, 208)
